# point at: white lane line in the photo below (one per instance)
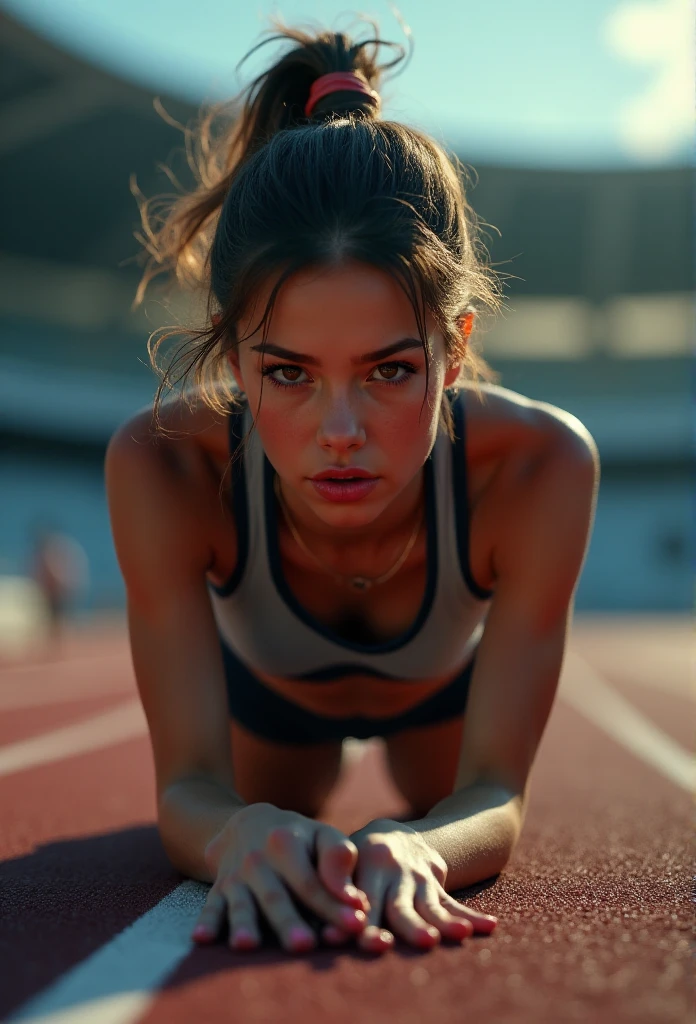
(585, 690)
(20, 698)
(103, 730)
(650, 663)
(24, 668)
(117, 983)
(58, 682)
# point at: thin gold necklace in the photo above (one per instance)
(356, 582)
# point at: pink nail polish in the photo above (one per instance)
(350, 917)
(300, 936)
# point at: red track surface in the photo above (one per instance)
(593, 909)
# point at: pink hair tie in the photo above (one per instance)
(337, 81)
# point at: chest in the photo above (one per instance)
(373, 616)
(383, 611)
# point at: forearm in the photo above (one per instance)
(474, 830)
(191, 813)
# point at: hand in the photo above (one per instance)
(263, 852)
(404, 879)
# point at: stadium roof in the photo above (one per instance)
(73, 134)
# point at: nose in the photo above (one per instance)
(340, 429)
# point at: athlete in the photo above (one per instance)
(341, 525)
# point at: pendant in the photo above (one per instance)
(360, 583)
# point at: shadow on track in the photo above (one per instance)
(68, 899)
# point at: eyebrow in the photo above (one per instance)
(367, 357)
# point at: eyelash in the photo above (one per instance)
(270, 369)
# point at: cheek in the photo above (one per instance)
(284, 435)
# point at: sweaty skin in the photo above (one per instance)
(330, 409)
(324, 404)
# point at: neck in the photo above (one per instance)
(366, 551)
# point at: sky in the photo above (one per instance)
(539, 83)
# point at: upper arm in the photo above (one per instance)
(173, 636)
(538, 558)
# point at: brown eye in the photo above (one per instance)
(394, 373)
(291, 375)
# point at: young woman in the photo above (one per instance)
(340, 530)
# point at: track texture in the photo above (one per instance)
(594, 915)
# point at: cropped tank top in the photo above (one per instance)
(261, 622)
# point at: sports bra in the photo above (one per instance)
(261, 622)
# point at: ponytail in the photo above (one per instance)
(178, 236)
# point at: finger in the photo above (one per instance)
(242, 918)
(400, 911)
(209, 921)
(274, 899)
(334, 936)
(427, 904)
(336, 859)
(374, 883)
(482, 922)
(289, 856)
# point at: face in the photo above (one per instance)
(344, 385)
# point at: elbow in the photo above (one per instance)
(507, 832)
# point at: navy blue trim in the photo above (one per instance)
(318, 627)
(238, 499)
(265, 713)
(340, 671)
(460, 488)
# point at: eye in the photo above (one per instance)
(389, 372)
(291, 373)
(289, 368)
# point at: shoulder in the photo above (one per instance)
(163, 488)
(518, 432)
(534, 471)
(183, 425)
(188, 446)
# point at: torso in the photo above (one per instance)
(505, 435)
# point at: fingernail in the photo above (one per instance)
(201, 931)
(350, 917)
(242, 935)
(300, 936)
(355, 894)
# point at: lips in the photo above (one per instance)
(344, 488)
(351, 473)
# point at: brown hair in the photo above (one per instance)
(277, 191)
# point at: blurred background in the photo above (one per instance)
(577, 121)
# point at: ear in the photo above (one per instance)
(465, 324)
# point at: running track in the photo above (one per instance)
(594, 913)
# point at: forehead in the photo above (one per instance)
(353, 301)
